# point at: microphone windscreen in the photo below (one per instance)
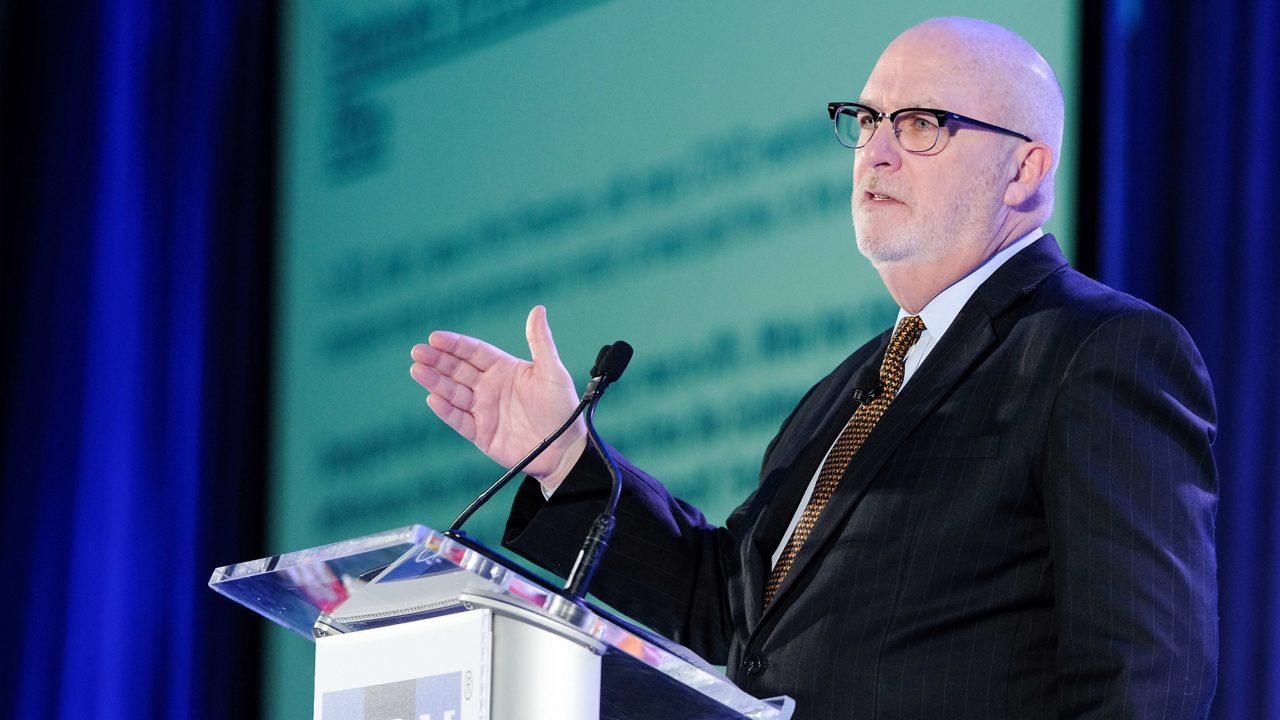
(615, 360)
(599, 366)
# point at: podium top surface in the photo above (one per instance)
(414, 572)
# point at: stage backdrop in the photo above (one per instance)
(660, 172)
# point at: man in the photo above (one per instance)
(1003, 508)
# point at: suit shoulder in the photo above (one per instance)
(1093, 325)
(1075, 302)
(1071, 287)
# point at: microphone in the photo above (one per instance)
(866, 384)
(611, 362)
(608, 367)
(866, 395)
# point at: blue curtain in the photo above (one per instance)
(137, 187)
(1188, 201)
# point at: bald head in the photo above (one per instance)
(999, 77)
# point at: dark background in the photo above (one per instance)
(137, 144)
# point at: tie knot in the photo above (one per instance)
(908, 332)
(906, 335)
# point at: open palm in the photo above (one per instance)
(503, 404)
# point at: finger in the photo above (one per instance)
(424, 353)
(457, 394)
(448, 365)
(477, 352)
(462, 422)
(443, 340)
(424, 375)
(542, 346)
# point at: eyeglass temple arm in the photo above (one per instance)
(942, 122)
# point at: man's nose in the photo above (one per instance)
(882, 150)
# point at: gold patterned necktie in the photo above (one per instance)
(846, 446)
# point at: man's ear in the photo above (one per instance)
(1033, 162)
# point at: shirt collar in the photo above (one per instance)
(943, 308)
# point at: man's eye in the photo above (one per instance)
(921, 123)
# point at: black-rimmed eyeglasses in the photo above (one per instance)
(918, 130)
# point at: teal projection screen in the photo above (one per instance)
(659, 172)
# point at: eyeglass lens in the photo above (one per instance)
(917, 131)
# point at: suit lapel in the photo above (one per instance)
(791, 468)
(968, 339)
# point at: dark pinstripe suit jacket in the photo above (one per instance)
(1028, 533)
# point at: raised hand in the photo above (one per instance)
(503, 404)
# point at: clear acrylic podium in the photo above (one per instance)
(410, 623)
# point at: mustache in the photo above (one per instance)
(878, 185)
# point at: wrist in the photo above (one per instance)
(576, 443)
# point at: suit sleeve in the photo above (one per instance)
(1130, 492)
(666, 565)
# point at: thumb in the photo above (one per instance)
(542, 347)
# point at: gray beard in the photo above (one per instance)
(935, 236)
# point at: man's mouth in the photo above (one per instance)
(879, 197)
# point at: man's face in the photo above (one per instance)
(928, 206)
